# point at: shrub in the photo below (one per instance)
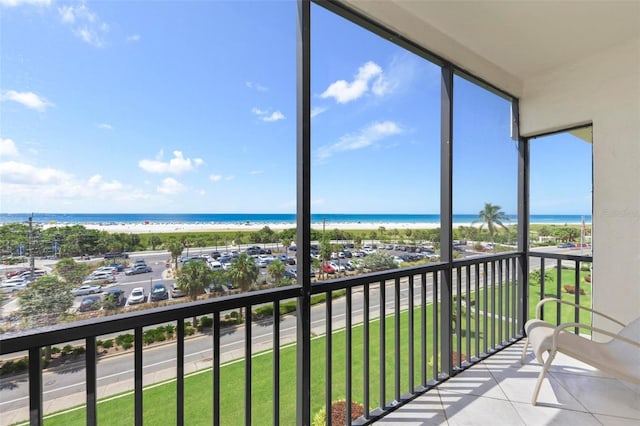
(107, 344)
(188, 331)
(572, 290)
(78, 350)
(587, 278)
(264, 311)
(206, 322)
(338, 414)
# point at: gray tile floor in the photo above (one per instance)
(498, 391)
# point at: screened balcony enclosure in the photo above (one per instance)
(437, 343)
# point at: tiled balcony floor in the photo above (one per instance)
(498, 391)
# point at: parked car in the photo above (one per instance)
(159, 292)
(99, 278)
(137, 296)
(86, 289)
(114, 255)
(177, 291)
(291, 273)
(327, 268)
(118, 267)
(90, 303)
(138, 269)
(115, 297)
(13, 284)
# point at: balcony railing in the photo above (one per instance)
(391, 337)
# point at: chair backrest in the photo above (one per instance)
(625, 353)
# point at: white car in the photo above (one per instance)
(86, 289)
(137, 296)
(100, 278)
(13, 284)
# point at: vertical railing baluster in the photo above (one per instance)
(458, 316)
(542, 294)
(515, 297)
(477, 308)
(423, 329)
(436, 326)
(216, 368)
(366, 355)
(469, 307)
(493, 305)
(577, 296)
(485, 306)
(180, 373)
(348, 353)
(276, 362)
(507, 301)
(411, 335)
(91, 368)
(396, 335)
(138, 376)
(247, 365)
(559, 291)
(328, 380)
(500, 302)
(383, 346)
(35, 386)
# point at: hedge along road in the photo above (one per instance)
(65, 387)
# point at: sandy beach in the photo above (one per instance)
(142, 228)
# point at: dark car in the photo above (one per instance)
(115, 255)
(117, 266)
(159, 292)
(89, 303)
(114, 298)
(138, 269)
(291, 273)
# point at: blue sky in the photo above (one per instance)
(169, 107)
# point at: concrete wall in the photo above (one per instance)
(603, 89)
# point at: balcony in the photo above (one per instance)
(449, 345)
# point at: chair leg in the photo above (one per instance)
(545, 367)
(524, 350)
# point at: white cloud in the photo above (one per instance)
(105, 126)
(256, 172)
(170, 186)
(8, 148)
(219, 178)
(177, 165)
(28, 99)
(133, 38)
(85, 23)
(266, 115)
(22, 173)
(369, 73)
(256, 86)
(365, 137)
(97, 182)
(12, 3)
(315, 111)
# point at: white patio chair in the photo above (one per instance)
(618, 357)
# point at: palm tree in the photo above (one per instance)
(243, 272)
(175, 248)
(194, 278)
(492, 216)
(276, 269)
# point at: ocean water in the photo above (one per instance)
(259, 218)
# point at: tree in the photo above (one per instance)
(276, 269)
(72, 272)
(193, 278)
(155, 241)
(44, 301)
(379, 261)
(243, 272)
(492, 216)
(175, 248)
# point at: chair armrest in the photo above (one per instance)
(575, 305)
(561, 327)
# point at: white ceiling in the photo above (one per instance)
(522, 38)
